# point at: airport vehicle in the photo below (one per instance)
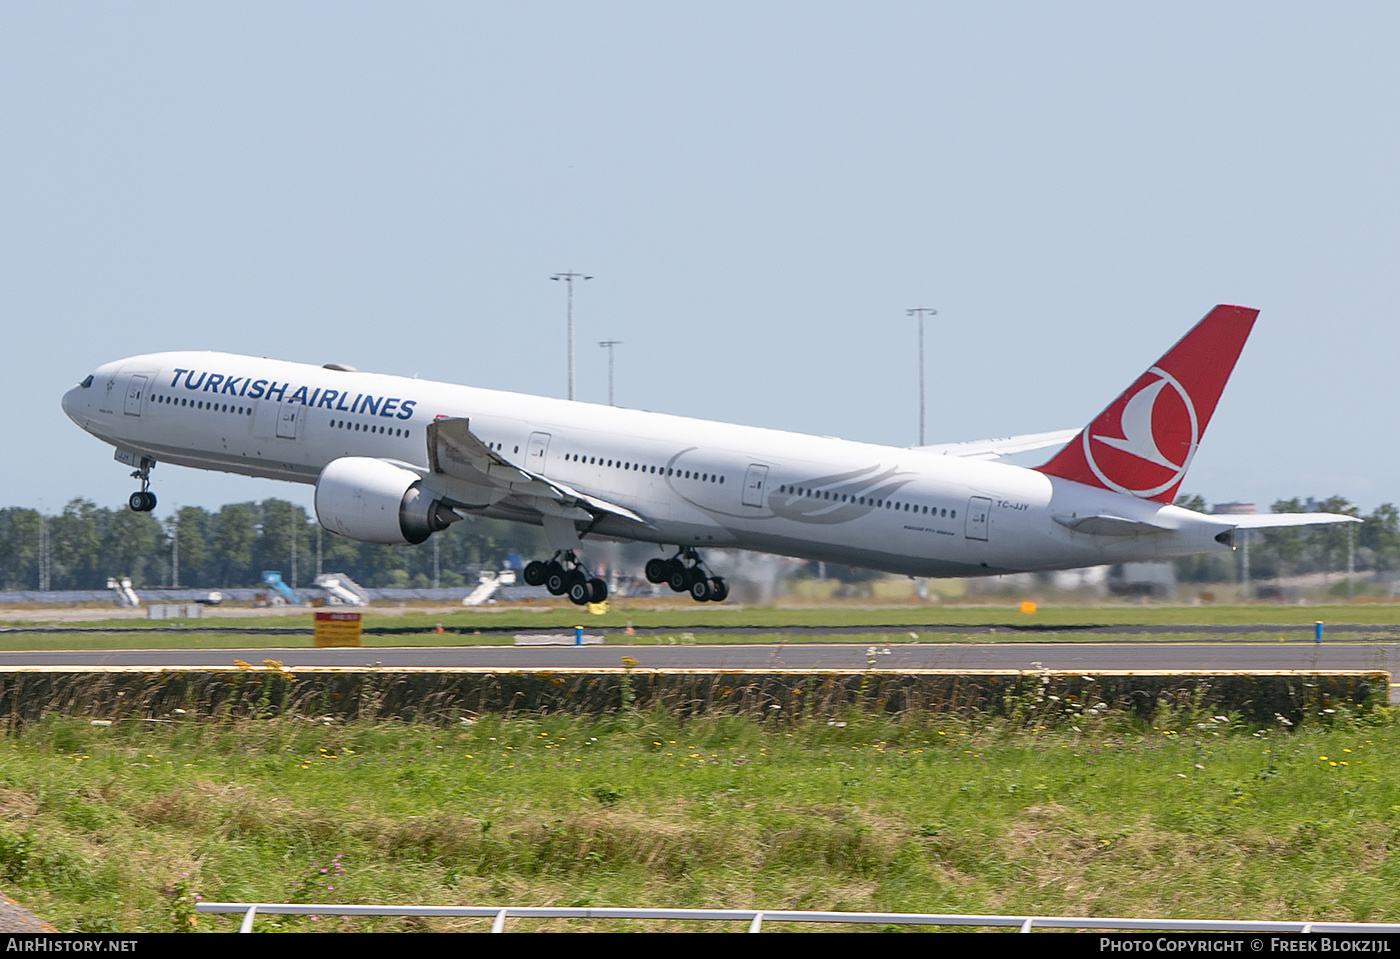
(395, 459)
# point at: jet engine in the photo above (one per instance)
(374, 501)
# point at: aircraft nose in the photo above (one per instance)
(70, 403)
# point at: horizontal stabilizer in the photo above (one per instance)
(1001, 446)
(1275, 520)
(1104, 525)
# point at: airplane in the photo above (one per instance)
(395, 459)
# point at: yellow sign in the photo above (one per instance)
(336, 629)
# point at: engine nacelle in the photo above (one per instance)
(372, 501)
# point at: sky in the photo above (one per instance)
(759, 190)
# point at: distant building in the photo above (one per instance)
(1233, 509)
(1157, 579)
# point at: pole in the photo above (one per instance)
(1351, 563)
(568, 279)
(608, 345)
(45, 562)
(919, 312)
(1244, 564)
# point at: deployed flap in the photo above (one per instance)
(1273, 520)
(1001, 446)
(1103, 524)
(454, 450)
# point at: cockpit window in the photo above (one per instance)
(86, 382)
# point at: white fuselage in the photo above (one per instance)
(695, 483)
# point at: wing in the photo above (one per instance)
(1002, 446)
(475, 476)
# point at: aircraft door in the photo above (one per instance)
(754, 482)
(135, 392)
(287, 420)
(979, 509)
(536, 452)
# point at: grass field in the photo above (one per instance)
(120, 828)
(867, 624)
(648, 614)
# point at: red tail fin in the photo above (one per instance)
(1142, 444)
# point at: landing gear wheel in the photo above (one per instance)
(565, 574)
(145, 500)
(700, 590)
(555, 579)
(719, 590)
(657, 570)
(678, 577)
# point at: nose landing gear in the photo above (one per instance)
(565, 574)
(686, 573)
(143, 501)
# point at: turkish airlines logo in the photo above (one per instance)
(1143, 443)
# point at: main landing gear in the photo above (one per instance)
(145, 500)
(686, 573)
(565, 573)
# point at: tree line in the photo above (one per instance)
(1373, 545)
(230, 547)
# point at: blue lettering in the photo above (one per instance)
(230, 383)
(370, 405)
(281, 391)
(257, 389)
(191, 383)
(214, 380)
(341, 405)
(390, 406)
(313, 397)
(329, 398)
(176, 382)
(299, 396)
(406, 409)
